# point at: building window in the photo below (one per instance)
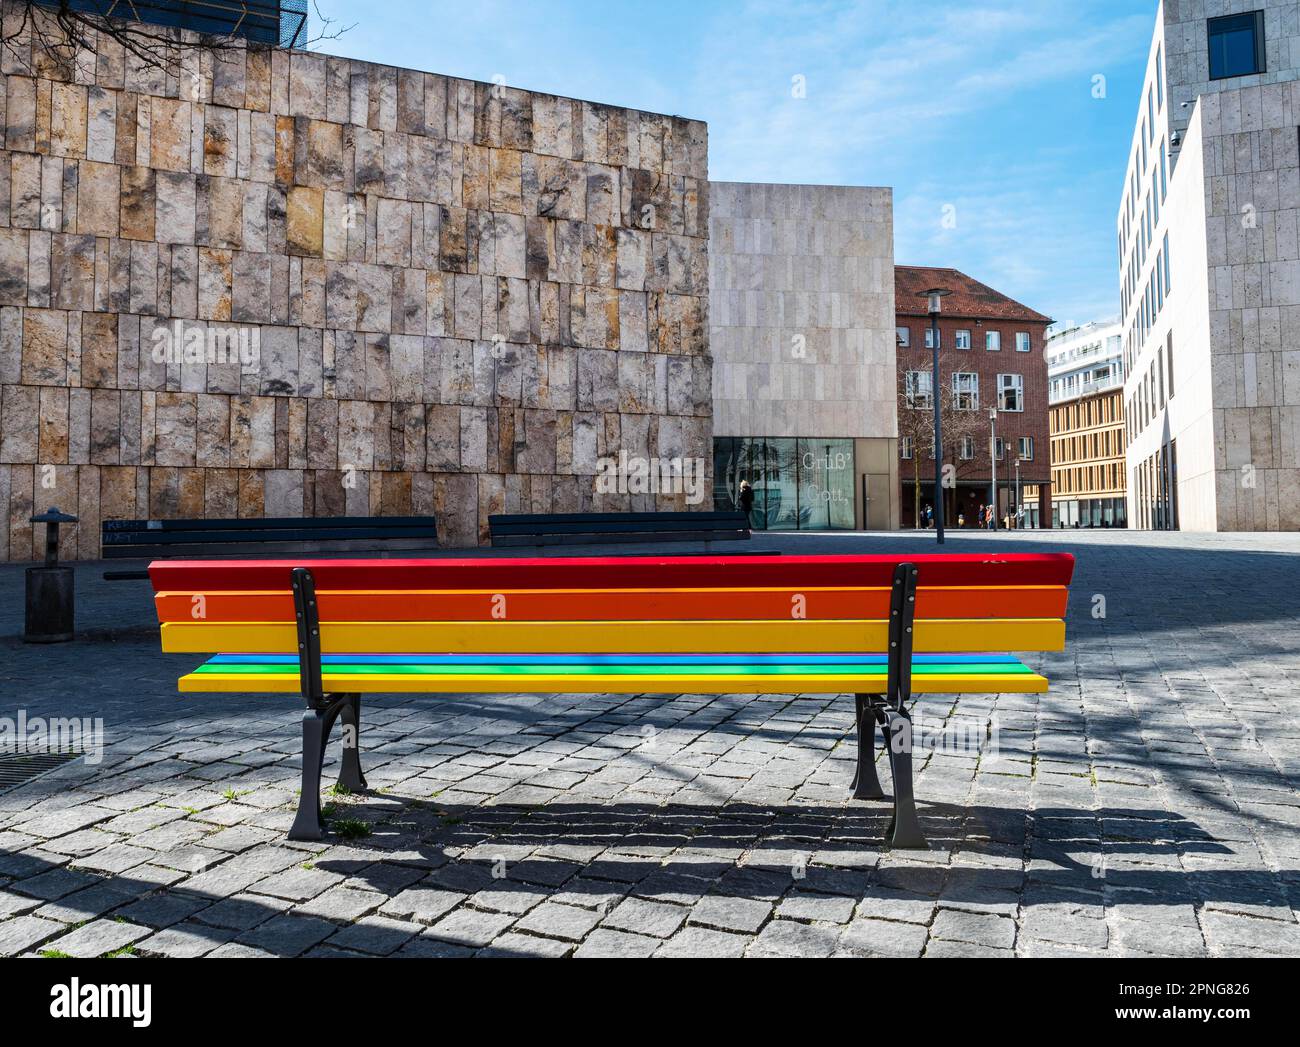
(905, 448)
(967, 448)
(963, 339)
(1011, 392)
(993, 341)
(904, 337)
(1000, 449)
(1026, 448)
(966, 391)
(1023, 343)
(1167, 278)
(1236, 45)
(919, 387)
(1160, 76)
(929, 338)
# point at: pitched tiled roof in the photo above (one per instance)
(969, 297)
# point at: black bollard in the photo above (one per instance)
(51, 598)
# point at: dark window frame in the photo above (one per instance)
(1261, 51)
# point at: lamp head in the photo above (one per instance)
(934, 297)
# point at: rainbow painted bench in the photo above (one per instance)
(881, 628)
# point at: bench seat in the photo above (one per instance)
(615, 674)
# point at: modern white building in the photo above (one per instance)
(1084, 361)
(1209, 261)
(1085, 402)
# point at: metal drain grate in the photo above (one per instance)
(20, 768)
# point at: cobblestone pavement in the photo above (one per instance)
(1147, 805)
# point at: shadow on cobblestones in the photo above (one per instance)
(437, 879)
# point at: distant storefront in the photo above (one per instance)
(1090, 512)
(799, 484)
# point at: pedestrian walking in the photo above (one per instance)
(747, 502)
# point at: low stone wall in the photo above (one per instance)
(272, 283)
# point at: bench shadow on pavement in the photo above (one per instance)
(596, 854)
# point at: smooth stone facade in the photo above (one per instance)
(803, 323)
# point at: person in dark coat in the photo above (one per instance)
(747, 501)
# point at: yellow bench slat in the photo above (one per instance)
(829, 637)
(685, 683)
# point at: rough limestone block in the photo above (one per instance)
(25, 191)
(19, 411)
(176, 198)
(79, 426)
(219, 218)
(107, 426)
(220, 141)
(212, 446)
(138, 203)
(72, 271)
(45, 347)
(176, 421)
(322, 434)
(374, 298)
(13, 267)
(393, 246)
(68, 123)
(98, 198)
(99, 350)
(170, 130)
(307, 96)
(20, 114)
(306, 221)
(355, 438)
(278, 370)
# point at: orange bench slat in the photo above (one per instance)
(614, 605)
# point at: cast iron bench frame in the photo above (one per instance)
(888, 711)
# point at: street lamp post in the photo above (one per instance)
(935, 297)
(1020, 505)
(993, 457)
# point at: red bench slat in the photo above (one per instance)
(603, 573)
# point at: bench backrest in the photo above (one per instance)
(589, 528)
(159, 539)
(789, 604)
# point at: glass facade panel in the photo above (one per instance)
(799, 484)
(780, 492)
(282, 22)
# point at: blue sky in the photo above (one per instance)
(984, 112)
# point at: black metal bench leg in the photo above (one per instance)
(904, 831)
(308, 826)
(351, 777)
(866, 783)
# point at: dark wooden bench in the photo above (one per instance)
(884, 629)
(617, 528)
(245, 539)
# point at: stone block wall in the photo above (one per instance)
(461, 296)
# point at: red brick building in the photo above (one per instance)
(990, 354)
